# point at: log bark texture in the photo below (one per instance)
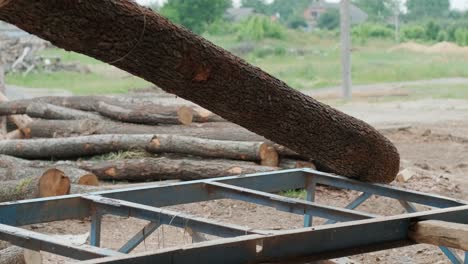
(147, 114)
(50, 111)
(238, 150)
(168, 168)
(147, 45)
(67, 128)
(52, 183)
(440, 233)
(72, 147)
(12, 168)
(20, 121)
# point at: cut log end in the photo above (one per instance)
(268, 155)
(185, 115)
(54, 183)
(89, 179)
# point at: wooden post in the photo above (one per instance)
(345, 48)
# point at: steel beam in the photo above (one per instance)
(285, 204)
(321, 242)
(383, 190)
(139, 237)
(354, 204)
(168, 217)
(40, 242)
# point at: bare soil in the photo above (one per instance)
(433, 142)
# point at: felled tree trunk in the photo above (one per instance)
(52, 183)
(167, 169)
(239, 150)
(147, 45)
(72, 147)
(66, 128)
(20, 121)
(147, 114)
(12, 168)
(50, 111)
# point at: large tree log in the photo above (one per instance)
(440, 233)
(20, 121)
(147, 114)
(256, 151)
(52, 183)
(168, 168)
(12, 168)
(66, 128)
(50, 111)
(147, 45)
(75, 147)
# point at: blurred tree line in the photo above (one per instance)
(423, 20)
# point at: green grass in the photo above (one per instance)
(439, 91)
(298, 194)
(318, 66)
(78, 83)
(372, 61)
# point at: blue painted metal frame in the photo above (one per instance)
(143, 202)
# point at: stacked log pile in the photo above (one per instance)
(58, 143)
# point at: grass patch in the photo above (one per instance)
(297, 194)
(77, 83)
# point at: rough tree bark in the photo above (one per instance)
(168, 168)
(141, 42)
(147, 114)
(12, 168)
(20, 121)
(239, 150)
(66, 128)
(52, 183)
(50, 111)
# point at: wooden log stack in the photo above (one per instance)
(88, 139)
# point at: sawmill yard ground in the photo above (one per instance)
(427, 121)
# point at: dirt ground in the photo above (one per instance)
(431, 136)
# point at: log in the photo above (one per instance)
(49, 111)
(168, 168)
(52, 183)
(12, 168)
(15, 134)
(17, 255)
(147, 114)
(21, 121)
(255, 151)
(72, 147)
(440, 233)
(67, 128)
(75, 147)
(147, 45)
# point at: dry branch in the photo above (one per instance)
(184, 64)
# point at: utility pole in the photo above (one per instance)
(345, 48)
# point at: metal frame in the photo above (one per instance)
(357, 232)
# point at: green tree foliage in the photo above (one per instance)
(260, 27)
(289, 9)
(377, 10)
(329, 20)
(195, 15)
(260, 6)
(418, 9)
